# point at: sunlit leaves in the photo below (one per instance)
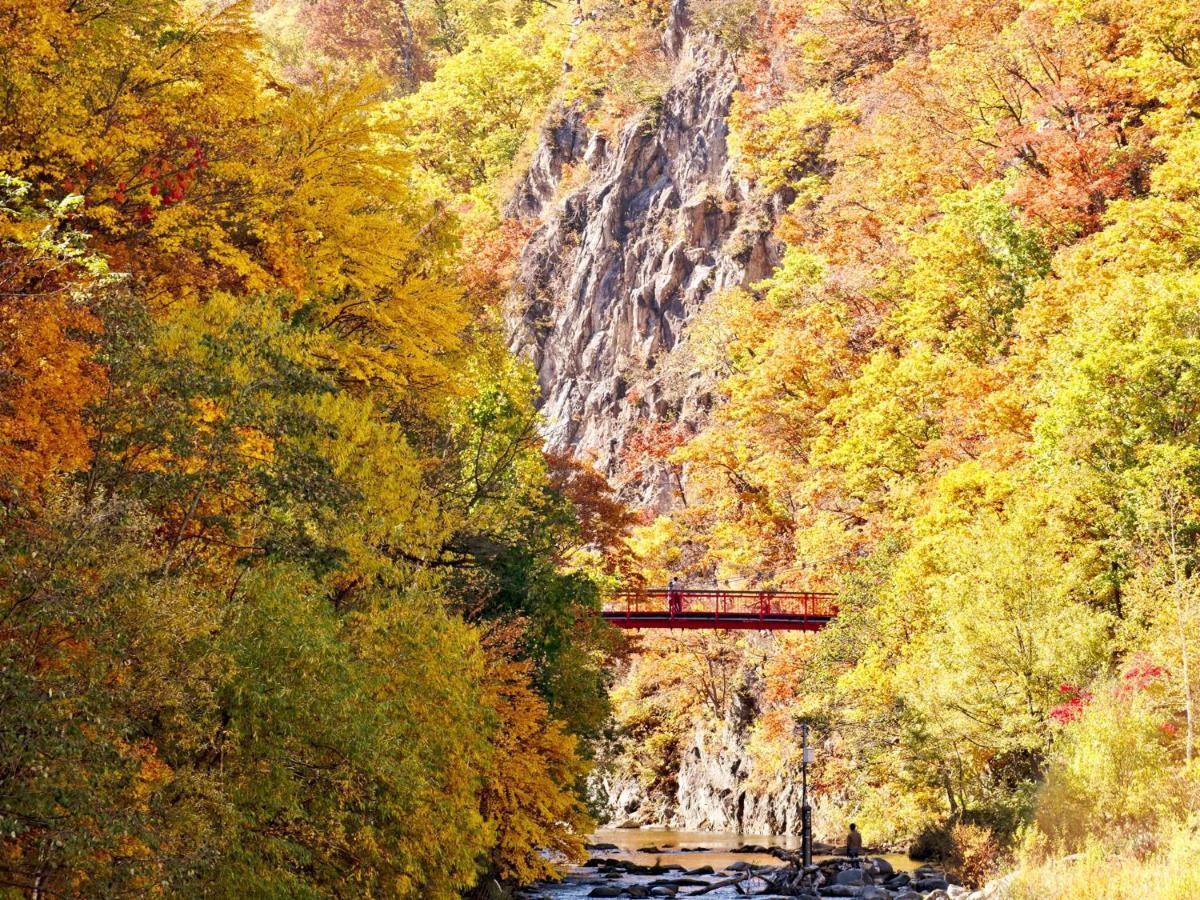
(966, 394)
(254, 487)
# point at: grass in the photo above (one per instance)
(1171, 871)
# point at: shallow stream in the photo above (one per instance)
(660, 846)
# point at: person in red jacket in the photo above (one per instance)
(674, 601)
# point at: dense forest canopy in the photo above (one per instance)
(291, 597)
(293, 602)
(965, 400)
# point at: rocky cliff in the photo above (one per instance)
(617, 266)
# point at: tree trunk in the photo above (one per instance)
(1181, 623)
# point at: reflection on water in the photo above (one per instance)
(673, 844)
(633, 844)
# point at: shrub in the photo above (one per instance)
(974, 854)
(1113, 772)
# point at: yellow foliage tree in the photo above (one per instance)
(529, 797)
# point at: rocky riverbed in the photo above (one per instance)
(608, 874)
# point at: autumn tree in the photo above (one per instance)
(260, 485)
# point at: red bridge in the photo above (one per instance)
(726, 610)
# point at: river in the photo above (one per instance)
(661, 846)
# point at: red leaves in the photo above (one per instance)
(1139, 677)
(1073, 174)
(171, 173)
(653, 441)
(1075, 700)
(490, 268)
(604, 520)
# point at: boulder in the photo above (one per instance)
(850, 876)
(739, 866)
(601, 848)
(701, 870)
(880, 866)
(606, 892)
(841, 890)
(993, 890)
(870, 892)
(931, 883)
(755, 887)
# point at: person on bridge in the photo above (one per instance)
(853, 842)
(674, 601)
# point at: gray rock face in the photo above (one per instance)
(563, 142)
(715, 792)
(717, 789)
(618, 266)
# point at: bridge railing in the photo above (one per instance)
(718, 603)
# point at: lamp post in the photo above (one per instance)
(805, 809)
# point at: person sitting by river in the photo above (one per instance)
(853, 842)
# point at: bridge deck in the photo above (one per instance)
(724, 610)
